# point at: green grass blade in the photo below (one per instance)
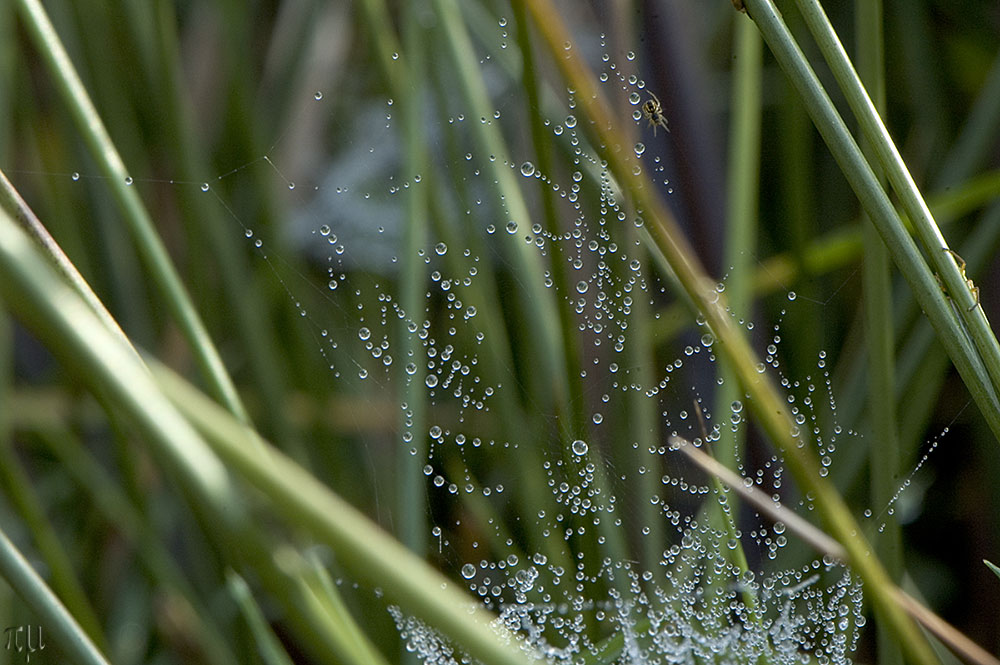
(742, 198)
(902, 248)
(913, 202)
(741, 203)
(412, 497)
(210, 227)
(878, 313)
(113, 168)
(546, 163)
(361, 546)
(268, 644)
(546, 351)
(53, 616)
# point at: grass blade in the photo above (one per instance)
(148, 242)
(926, 228)
(51, 613)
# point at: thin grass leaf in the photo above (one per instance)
(547, 356)
(743, 184)
(926, 228)
(267, 642)
(147, 241)
(211, 228)
(52, 614)
(878, 313)
(412, 497)
(362, 547)
(902, 248)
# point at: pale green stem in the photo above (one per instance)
(926, 228)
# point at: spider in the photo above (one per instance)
(654, 113)
(968, 282)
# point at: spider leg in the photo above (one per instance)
(958, 259)
(973, 289)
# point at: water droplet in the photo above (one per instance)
(468, 571)
(332, 285)
(791, 295)
(527, 169)
(512, 227)
(128, 180)
(570, 121)
(581, 286)
(318, 96)
(364, 333)
(639, 149)
(579, 448)
(204, 187)
(431, 380)
(75, 176)
(441, 249)
(291, 185)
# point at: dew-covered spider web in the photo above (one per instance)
(515, 359)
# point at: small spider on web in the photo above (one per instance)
(653, 111)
